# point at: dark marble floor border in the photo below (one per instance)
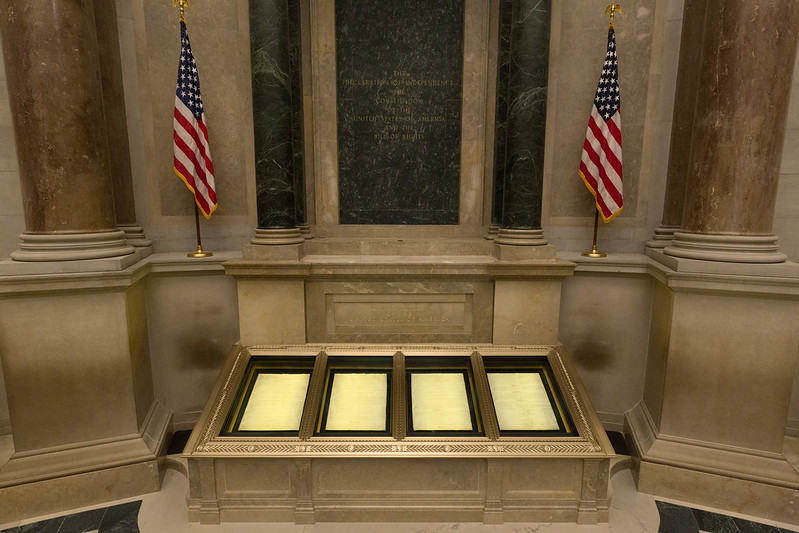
(679, 519)
(123, 518)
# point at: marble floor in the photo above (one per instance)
(165, 512)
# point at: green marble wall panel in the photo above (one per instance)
(399, 79)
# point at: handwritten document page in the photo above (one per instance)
(521, 402)
(358, 402)
(439, 402)
(276, 403)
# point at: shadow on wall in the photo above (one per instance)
(199, 351)
(590, 354)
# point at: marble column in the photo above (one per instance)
(55, 92)
(274, 122)
(501, 115)
(748, 49)
(526, 123)
(116, 123)
(297, 119)
(688, 73)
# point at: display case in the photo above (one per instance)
(383, 432)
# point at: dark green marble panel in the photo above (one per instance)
(399, 78)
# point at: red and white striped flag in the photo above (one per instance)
(192, 160)
(600, 166)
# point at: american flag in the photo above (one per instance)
(192, 156)
(600, 166)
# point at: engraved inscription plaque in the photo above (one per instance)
(399, 77)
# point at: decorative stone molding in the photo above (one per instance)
(730, 248)
(71, 246)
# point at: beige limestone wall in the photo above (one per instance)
(604, 322)
(193, 321)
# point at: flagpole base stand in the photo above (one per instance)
(593, 254)
(200, 253)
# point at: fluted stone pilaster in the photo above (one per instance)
(55, 92)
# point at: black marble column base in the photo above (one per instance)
(521, 237)
(522, 245)
(663, 237)
(37, 247)
(761, 249)
(275, 245)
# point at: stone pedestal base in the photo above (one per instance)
(400, 298)
(71, 246)
(739, 480)
(722, 353)
(76, 361)
(67, 477)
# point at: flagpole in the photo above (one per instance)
(200, 252)
(182, 5)
(613, 8)
(594, 252)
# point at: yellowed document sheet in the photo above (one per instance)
(439, 402)
(358, 402)
(521, 402)
(276, 403)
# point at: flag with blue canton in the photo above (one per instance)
(600, 166)
(192, 161)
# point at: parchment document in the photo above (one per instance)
(521, 401)
(439, 402)
(358, 402)
(276, 403)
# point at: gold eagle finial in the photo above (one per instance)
(613, 8)
(183, 4)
